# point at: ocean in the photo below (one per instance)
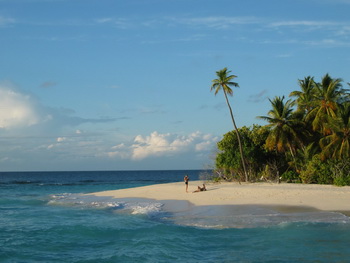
(46, 217)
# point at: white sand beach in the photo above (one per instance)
(321, 197)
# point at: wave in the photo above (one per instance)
(133, 207)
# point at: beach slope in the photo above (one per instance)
(322, 197)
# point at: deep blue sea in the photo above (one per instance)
(44, 217)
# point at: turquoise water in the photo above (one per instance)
(44, 218)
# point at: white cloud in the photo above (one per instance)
(61, 139)
(120, 150)
(203, 146)
(59, 142)
(153, 145)
(4, 21)
(328, 43)
(4, 159)
(218, 22)
(120, 23)
(20, 110)
(166, 144)
(334, 1)
(337, 29)
(17, 109)
(50, 146)
(104, 20)
(307, 23)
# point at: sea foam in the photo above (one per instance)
(132, 206)
(176, 212)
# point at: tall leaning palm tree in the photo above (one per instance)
(224, 82)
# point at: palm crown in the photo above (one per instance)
(224, 82)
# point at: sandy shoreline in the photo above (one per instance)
(321, 197)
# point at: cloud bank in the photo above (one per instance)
(22, 111)
(164, 145)
(37, 137)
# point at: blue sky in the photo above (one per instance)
(125, 85)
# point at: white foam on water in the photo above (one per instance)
(106, 204)
(68, 199)
(144, 208)
(132, 206)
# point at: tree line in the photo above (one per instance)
(306, 138)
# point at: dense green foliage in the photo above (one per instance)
(306, 139)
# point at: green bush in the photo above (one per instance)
(341, 181)
(317, 172)
(341, 172)
(291, 177)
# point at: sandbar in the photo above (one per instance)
(321, 197)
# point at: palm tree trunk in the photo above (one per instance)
(238, 137)
(293, 156)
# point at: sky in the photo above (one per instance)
(125, 84)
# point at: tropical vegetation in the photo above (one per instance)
(306, 138)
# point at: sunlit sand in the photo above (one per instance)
(321, 197)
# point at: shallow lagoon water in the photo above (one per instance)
(219, 217)
(48, 218)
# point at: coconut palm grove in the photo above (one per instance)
(306, 138)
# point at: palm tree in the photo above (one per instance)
(304, 98)
(328, 94)
(305, 155)
(224, 82)
(286, 129)
(305, 101)
(337, 144)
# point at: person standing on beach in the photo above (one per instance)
(186, 179)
